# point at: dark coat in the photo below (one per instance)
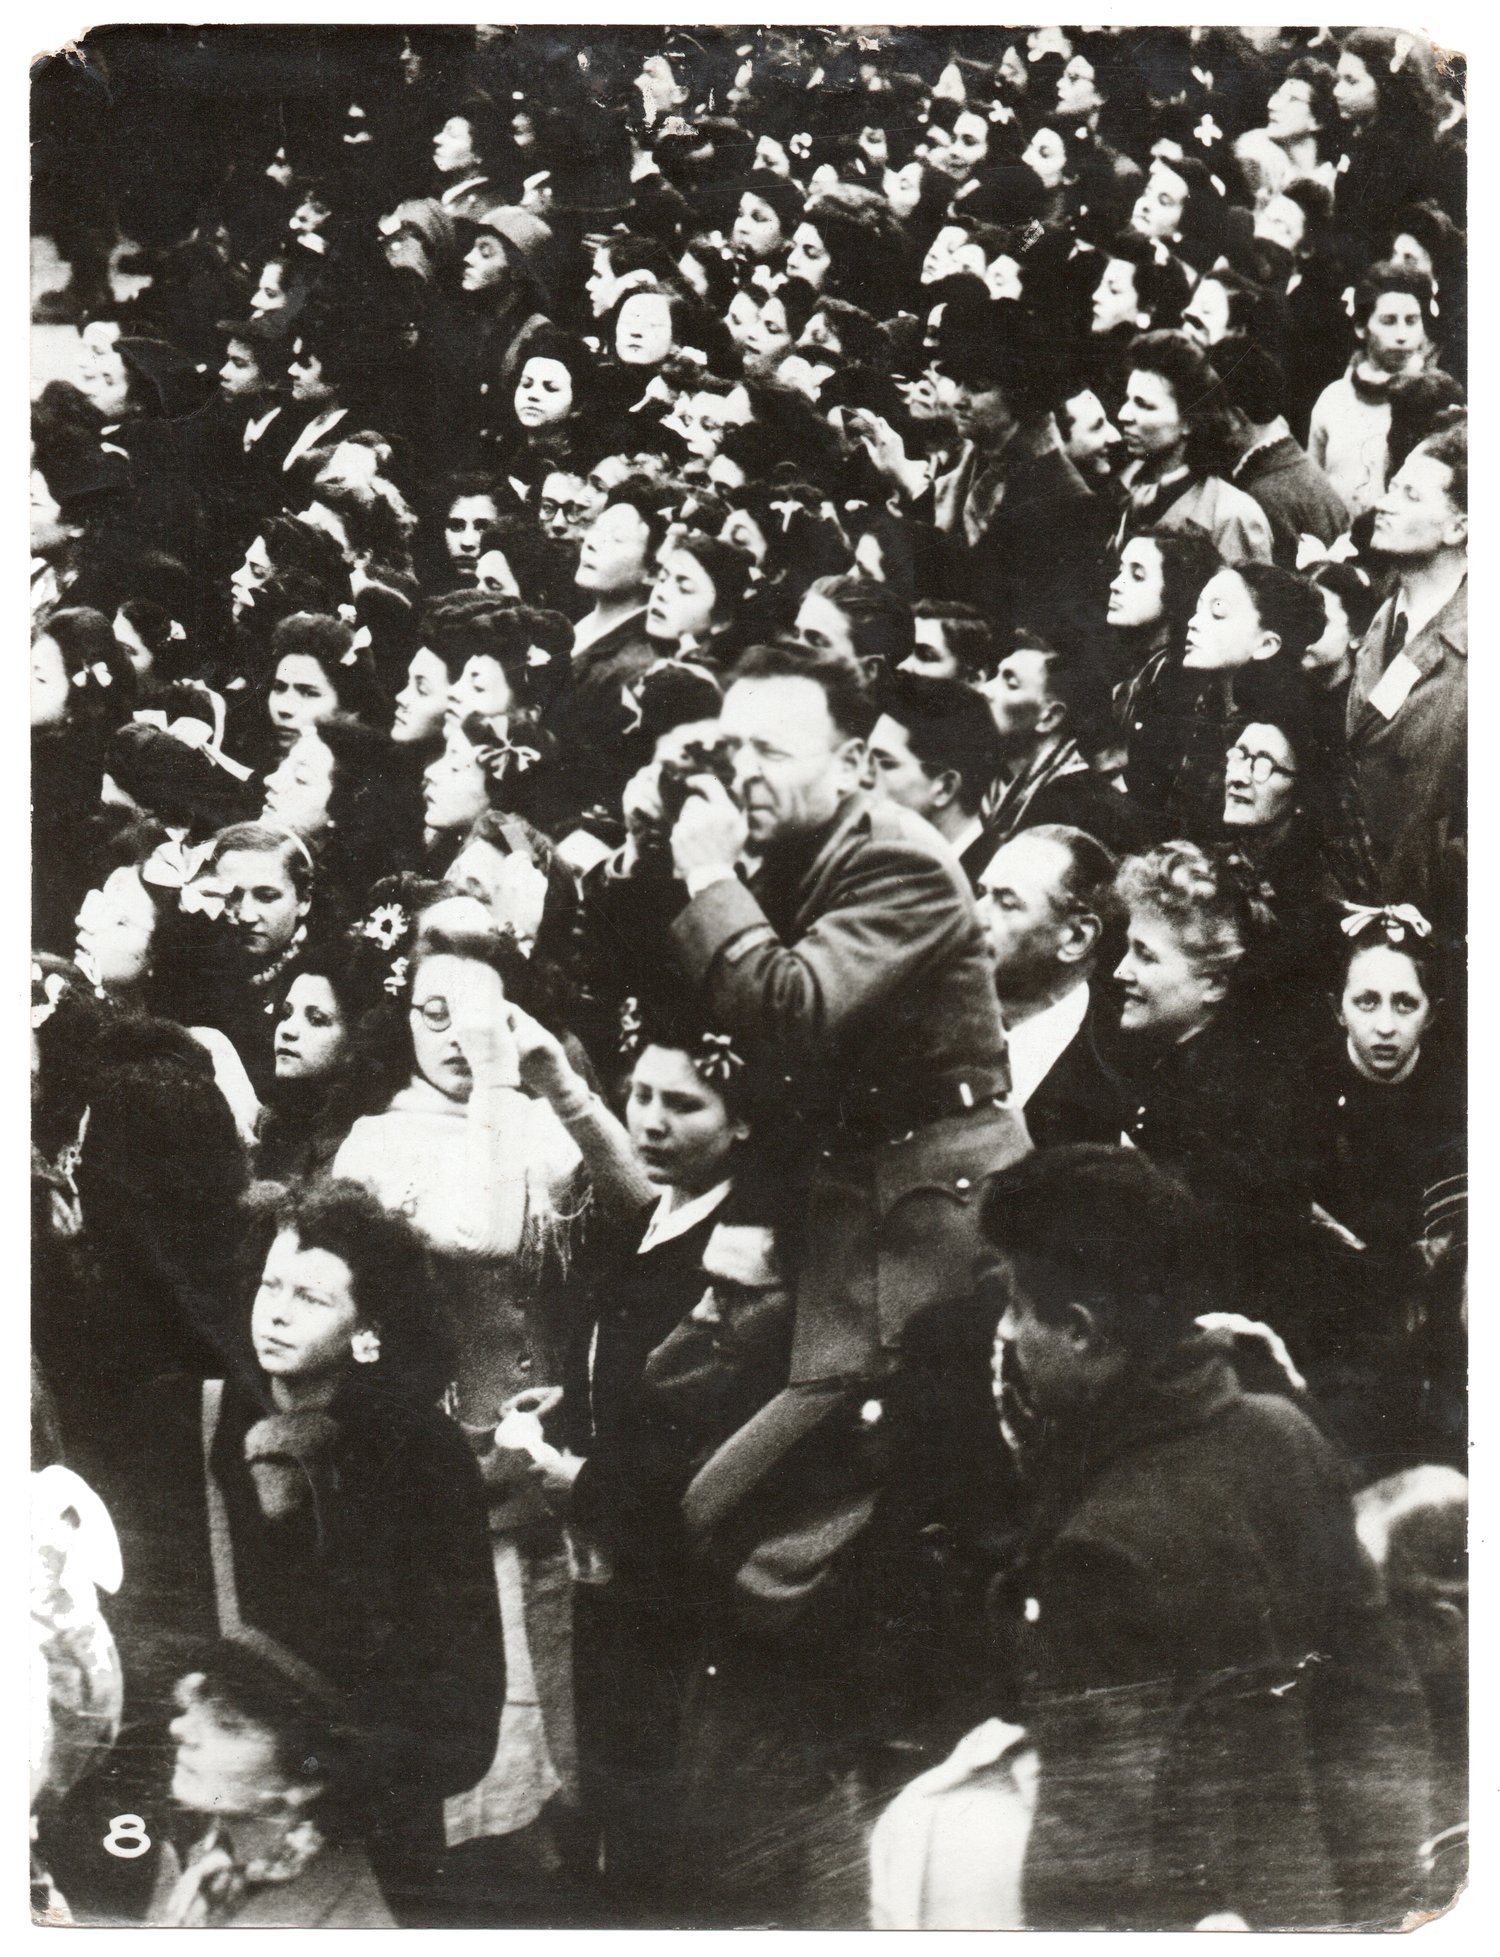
(1040, 535)
(857, 965)
(1082, 1096)
(1295, 495)
(1224, 1710)
(384, 1582)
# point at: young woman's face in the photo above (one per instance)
(601, 284)
(466, 522)
(453, 146)
(435, 1048)
(115, 925)
(49, 682)
(487, 264)
(958, 156)
(680, 1126)
(481, 688)
(422, 702)
(225, 1764)
(614, 557)
(769, 335)
(1384, 1009)
(808, 259)
(1159, 208)
(304, 1315)
(544, 393)
(492, 573)
(1047, 155)
(1077, 88)
(140, 655)
(1289, 113)
(270, 294)
(301, 696)
(454, 790)
(305, 372)
(311, 1037)
(1260, 779)
(297, 792)
(1136, 591)
(903, 188)
(254, 572)
(1284, 222)
(741, 529)
(1328, 657)
(260, 900)
(105, 379)
(770, 155)
(1395, 332)
(1225, 631)
(643, 329)
(1002, 277)
(742, 315)
(240, 378)
(757, 227)
(1207, 317)
(952, 250)
(1166, 993)
(1115, 301)
(1354, 89)
(683, 599)
(1151, 423)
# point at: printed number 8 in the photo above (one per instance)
(127, 1837)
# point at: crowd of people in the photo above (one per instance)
(749, 829)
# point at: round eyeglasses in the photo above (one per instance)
(1260, 767)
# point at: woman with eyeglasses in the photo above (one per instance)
(491, 1178)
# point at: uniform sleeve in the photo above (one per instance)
(896, 911)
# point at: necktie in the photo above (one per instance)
(1396, 638)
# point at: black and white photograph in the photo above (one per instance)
(748, 977)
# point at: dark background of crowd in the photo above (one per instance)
(837, 613)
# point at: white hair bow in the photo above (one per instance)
(192, 733)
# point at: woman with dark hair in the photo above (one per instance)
(491, 1178)
(698, 598)
(849, 246)
(1289, 806)
(1301, 136)
(1348, 435)
(1176, 426)
(507, 273)
(318, 1014)
(1152, 596)
(316, 1497)
(156, 1173)
(1181, 209)
(82, 689)
(1384, 91)
(268, 1763)
(552, 395)
(517, 559)
(1350, 600)
(318, 672)
(1388, 1111)
(457, 513)
(340, 788)
(769, 210)
(1247, 616)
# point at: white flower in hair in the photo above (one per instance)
(386, 926)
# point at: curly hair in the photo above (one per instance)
(389, 1278)
(1202, 403)
(1192, 891)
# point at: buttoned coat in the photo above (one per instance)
(1409, 767)
(865, 976)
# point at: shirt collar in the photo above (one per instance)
(667, 1223)
(1035, 1046)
